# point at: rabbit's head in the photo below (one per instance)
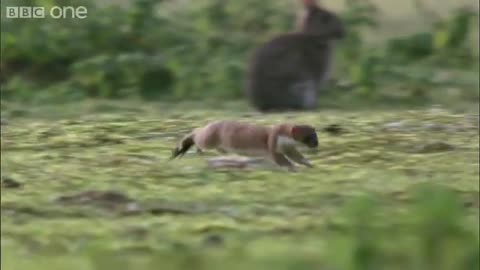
(320, 21)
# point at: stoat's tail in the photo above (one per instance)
(185, 144)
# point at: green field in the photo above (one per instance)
(184, 215)
(92, 109)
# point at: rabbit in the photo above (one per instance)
(286, 72)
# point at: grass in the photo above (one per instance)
(398, 190)
(184, 215)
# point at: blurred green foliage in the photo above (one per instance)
(432, 232)
(167, 49)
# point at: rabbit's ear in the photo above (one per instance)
(309, 3)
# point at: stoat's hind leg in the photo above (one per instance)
(185, 144)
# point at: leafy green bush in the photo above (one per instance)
(213, 40)
(103, 55)
(119, 75)
(157, 49)
(447, 38)
(445, 44)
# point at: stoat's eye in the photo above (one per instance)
(310, 140)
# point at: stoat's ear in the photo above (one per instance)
(306, 135)
(300, 131)
(295, 132)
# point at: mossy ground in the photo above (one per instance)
(181, 214)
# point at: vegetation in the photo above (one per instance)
(85, 179)
(97, 191)
(153, 49)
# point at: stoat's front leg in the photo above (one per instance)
(296, 156)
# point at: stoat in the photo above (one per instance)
(277, 143)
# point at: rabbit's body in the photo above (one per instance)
(286, 72)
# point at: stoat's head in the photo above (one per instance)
(306, 135)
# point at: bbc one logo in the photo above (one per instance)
(55, 12)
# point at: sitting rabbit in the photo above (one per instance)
(286, 72)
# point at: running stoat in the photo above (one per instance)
(277, 143)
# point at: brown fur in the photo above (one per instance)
(251, 140)
(317, 20)
(286, 72)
